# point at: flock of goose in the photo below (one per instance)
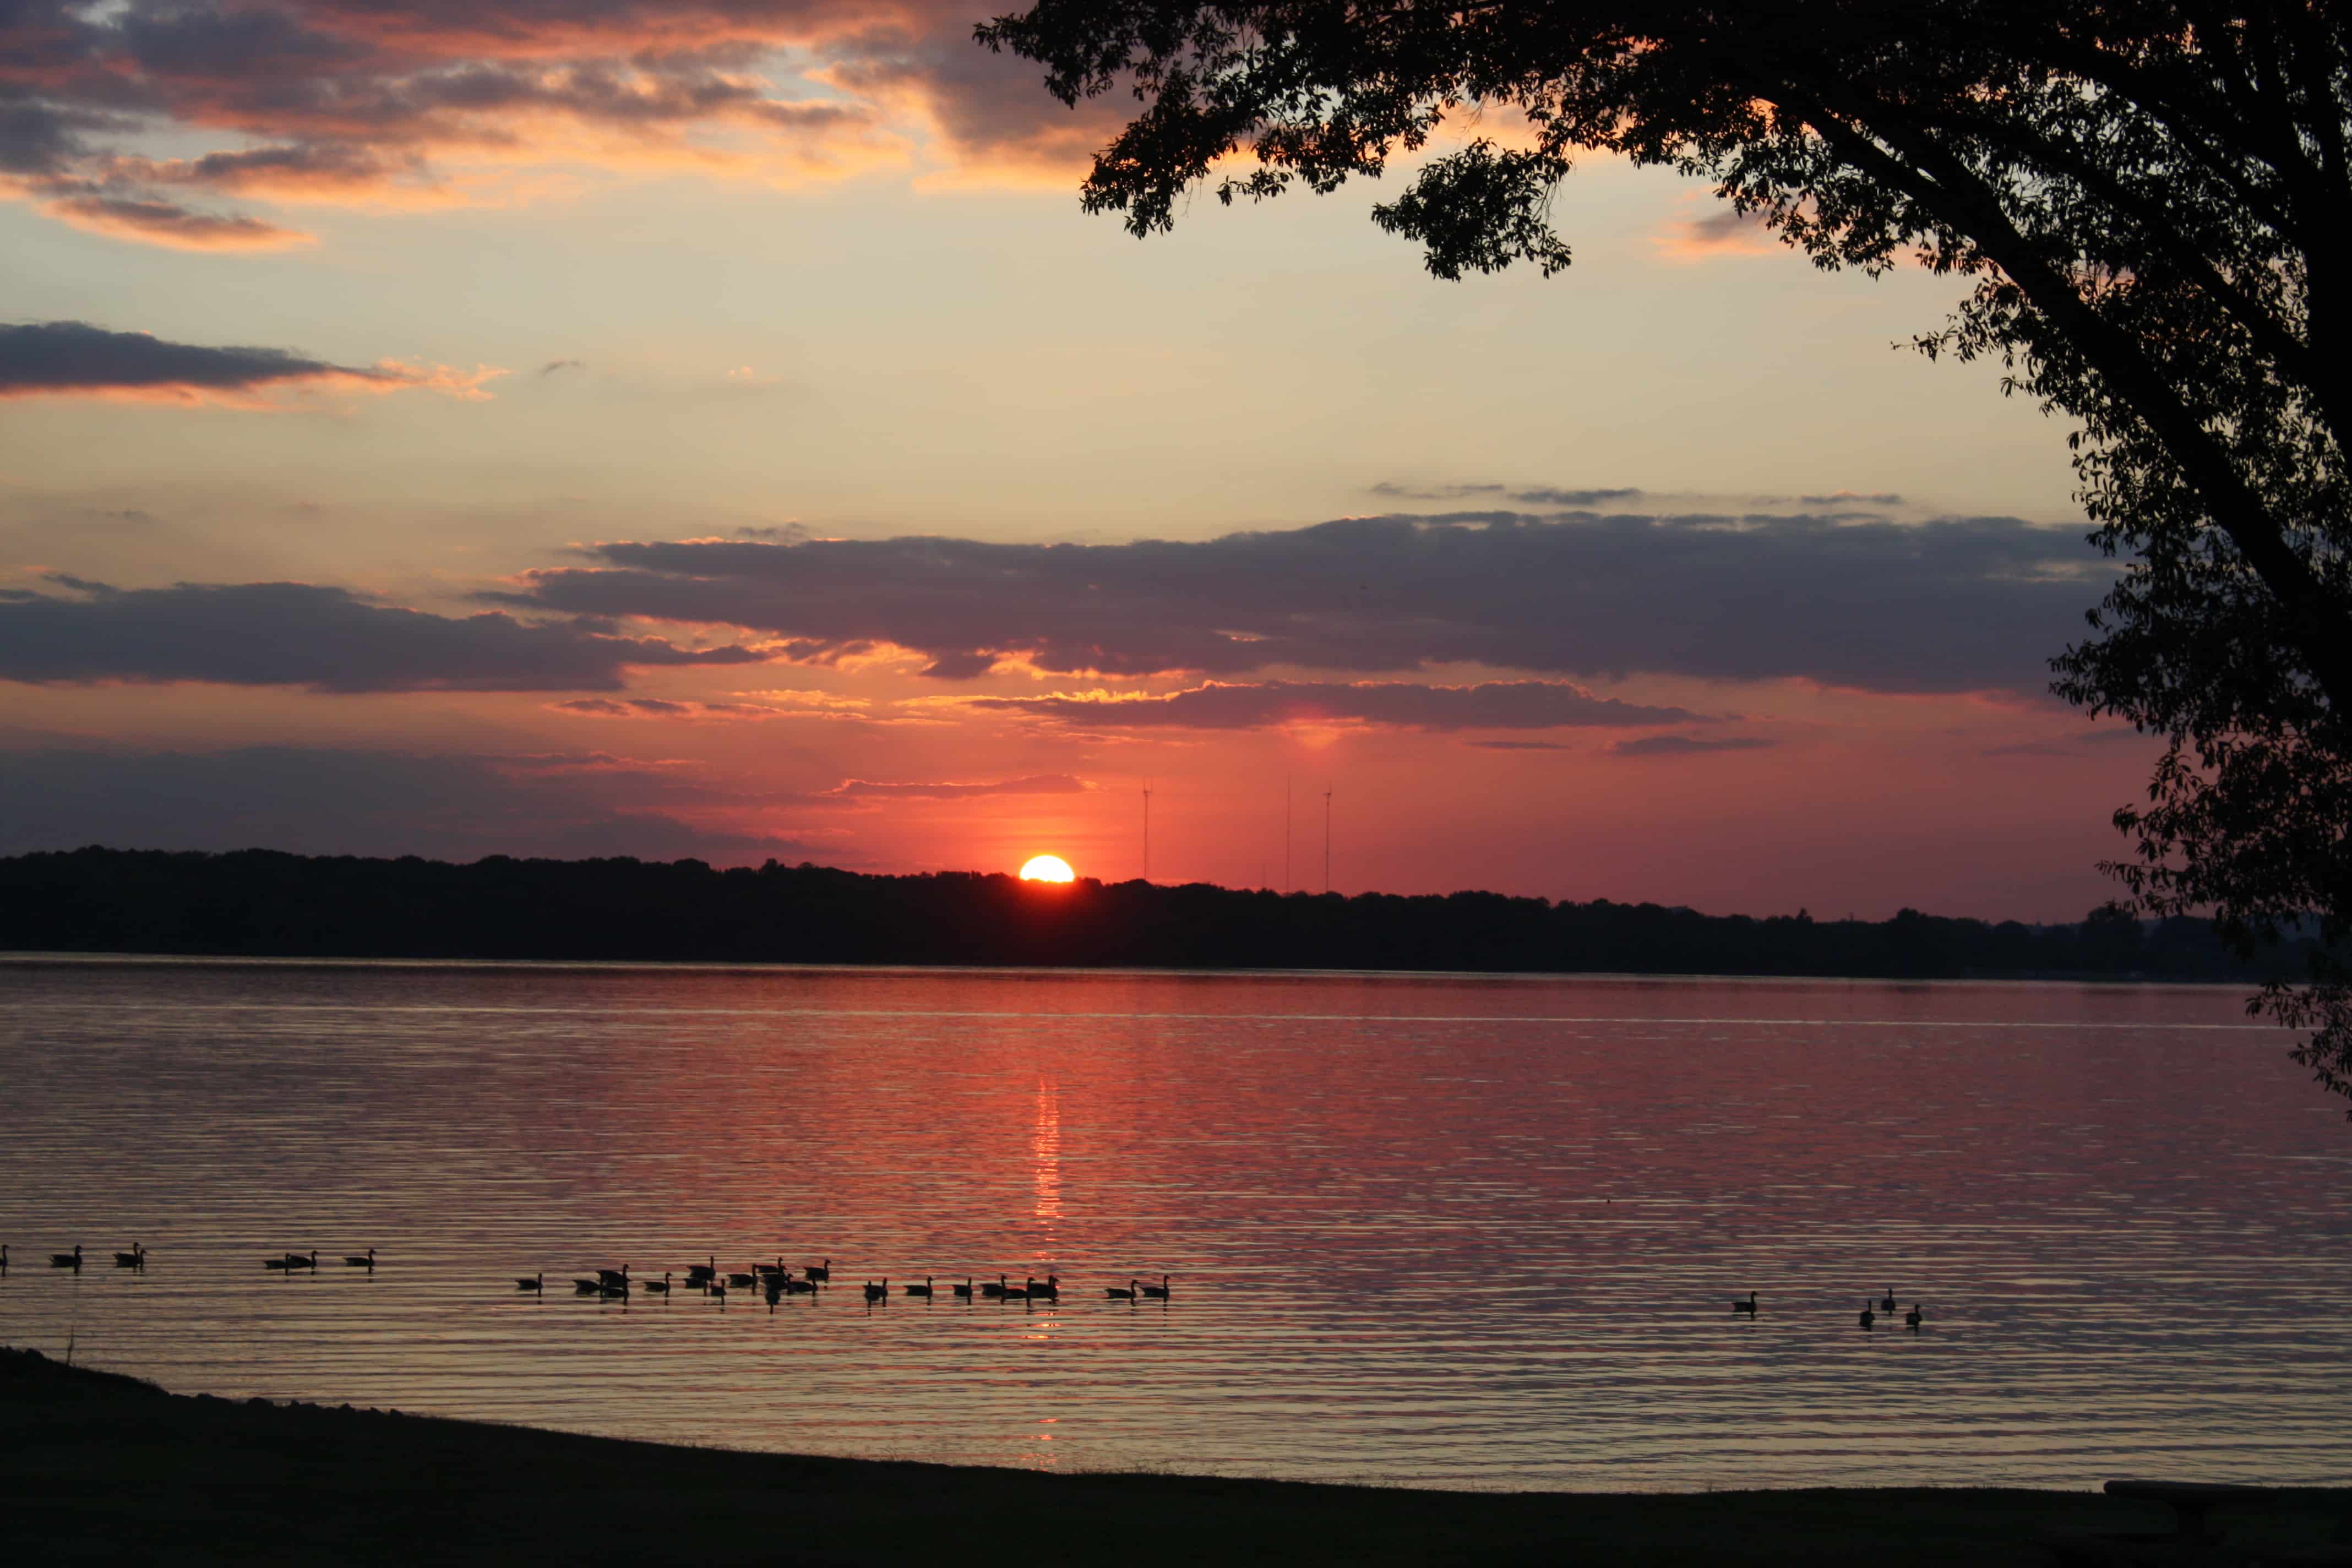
(1885, 1308)
(775, 1281)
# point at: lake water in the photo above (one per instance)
(1429, 1230)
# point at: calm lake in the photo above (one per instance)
(1428, 1230)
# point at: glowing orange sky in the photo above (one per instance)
(354, 513)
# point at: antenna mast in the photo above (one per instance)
(1147, 830)
(1285, 833)
(1327, 837)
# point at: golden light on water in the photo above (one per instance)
(1048, 868)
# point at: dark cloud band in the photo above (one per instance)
(1957, 605)
(68, 357)
(298, 634)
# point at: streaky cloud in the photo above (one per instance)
(1688, 745)
(67, 359)
(1038, 784)
(300, 634)
(1397, 704)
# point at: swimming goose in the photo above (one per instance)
(1028, 1288)
(1050, 1290)
(702, 1273)
(777, 1267)
(1868, 1317)
(820, 1273)
(878, 1293)
(1748, 1306)
(4, 1261)
(742, 1282)
(963, 1289)
(614, 1276)
(798, 1287)
(1911, 1319)
(368, 1263)
(295, 1260)
(612, 1292)
(719, 1291)
(995, 1289)
(924, 1289)
(278, 1263)
(1158, 1292)
(67, 1260)
(537, 1282)
(135, 1258)
(588, 1287)
(659, 1287)
(1886, 1302)
(1118, 1295)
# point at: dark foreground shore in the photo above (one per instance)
(100, 1467)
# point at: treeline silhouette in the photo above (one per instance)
(261, 902)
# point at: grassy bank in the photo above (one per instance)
(95, 1466)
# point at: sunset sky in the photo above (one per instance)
(597, 427)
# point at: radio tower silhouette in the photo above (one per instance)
(1285, 833)
(1327, 837)
(1147, 830)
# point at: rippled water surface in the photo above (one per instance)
(1439, 1231)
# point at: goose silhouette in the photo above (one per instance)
(878, 1293)
(1748, 1306)
(535, 1284)
(67, 1260)
(659, 1287)
(924, 1289)
(995, 1289)
(1912, 1318)
(1886, 1302)
(1117, 1294)
(1868, 1317)
(135, 1258)
(1158, 1292)
(368, 1263)
(821, 1273)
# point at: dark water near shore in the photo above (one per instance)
(1427, 1230)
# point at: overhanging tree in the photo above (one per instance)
(2139, 194)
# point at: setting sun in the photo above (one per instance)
(1048, 868)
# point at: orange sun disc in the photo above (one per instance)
(1048, 868)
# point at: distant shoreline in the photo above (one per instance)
(33, 958)
(96, 1464)
(266, 904)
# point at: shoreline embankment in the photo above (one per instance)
(97, 1466)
